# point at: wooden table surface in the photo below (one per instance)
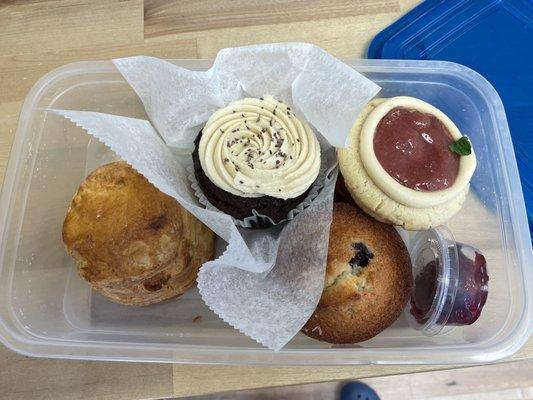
(39, 35)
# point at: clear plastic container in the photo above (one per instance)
(450, 282)
(46, 310)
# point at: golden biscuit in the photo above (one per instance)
(132, 242)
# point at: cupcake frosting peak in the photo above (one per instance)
(257, 147)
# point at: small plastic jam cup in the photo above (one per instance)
(450, 282)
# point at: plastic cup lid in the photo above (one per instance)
(435, 262)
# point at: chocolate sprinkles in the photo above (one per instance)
(263, 141)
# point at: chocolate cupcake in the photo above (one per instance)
(256, 155)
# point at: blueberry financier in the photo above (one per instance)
(368, 279)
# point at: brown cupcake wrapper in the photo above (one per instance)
(256, 219)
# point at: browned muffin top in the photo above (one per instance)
(368, 279)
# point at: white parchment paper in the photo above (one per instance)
(268, 282)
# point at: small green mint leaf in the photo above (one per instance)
(463, 147)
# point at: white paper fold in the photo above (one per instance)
(268, 282)
(327, 92)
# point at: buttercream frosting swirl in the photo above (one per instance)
(257, 147)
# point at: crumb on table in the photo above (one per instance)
(198, 318)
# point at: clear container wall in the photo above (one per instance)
(47, 310)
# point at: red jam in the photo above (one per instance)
(413, 147)
(424, 292)
(471, 293)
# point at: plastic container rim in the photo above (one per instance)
(504, 347)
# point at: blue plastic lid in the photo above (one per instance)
(494, 38)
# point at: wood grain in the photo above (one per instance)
(509, 381)
(482, 381)
(23, 378)
(9, 113)
(346, 37)
(39, 35)
(189, 377)
(177, 16)
(191, 380)
(31, 28)
(18, 73)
